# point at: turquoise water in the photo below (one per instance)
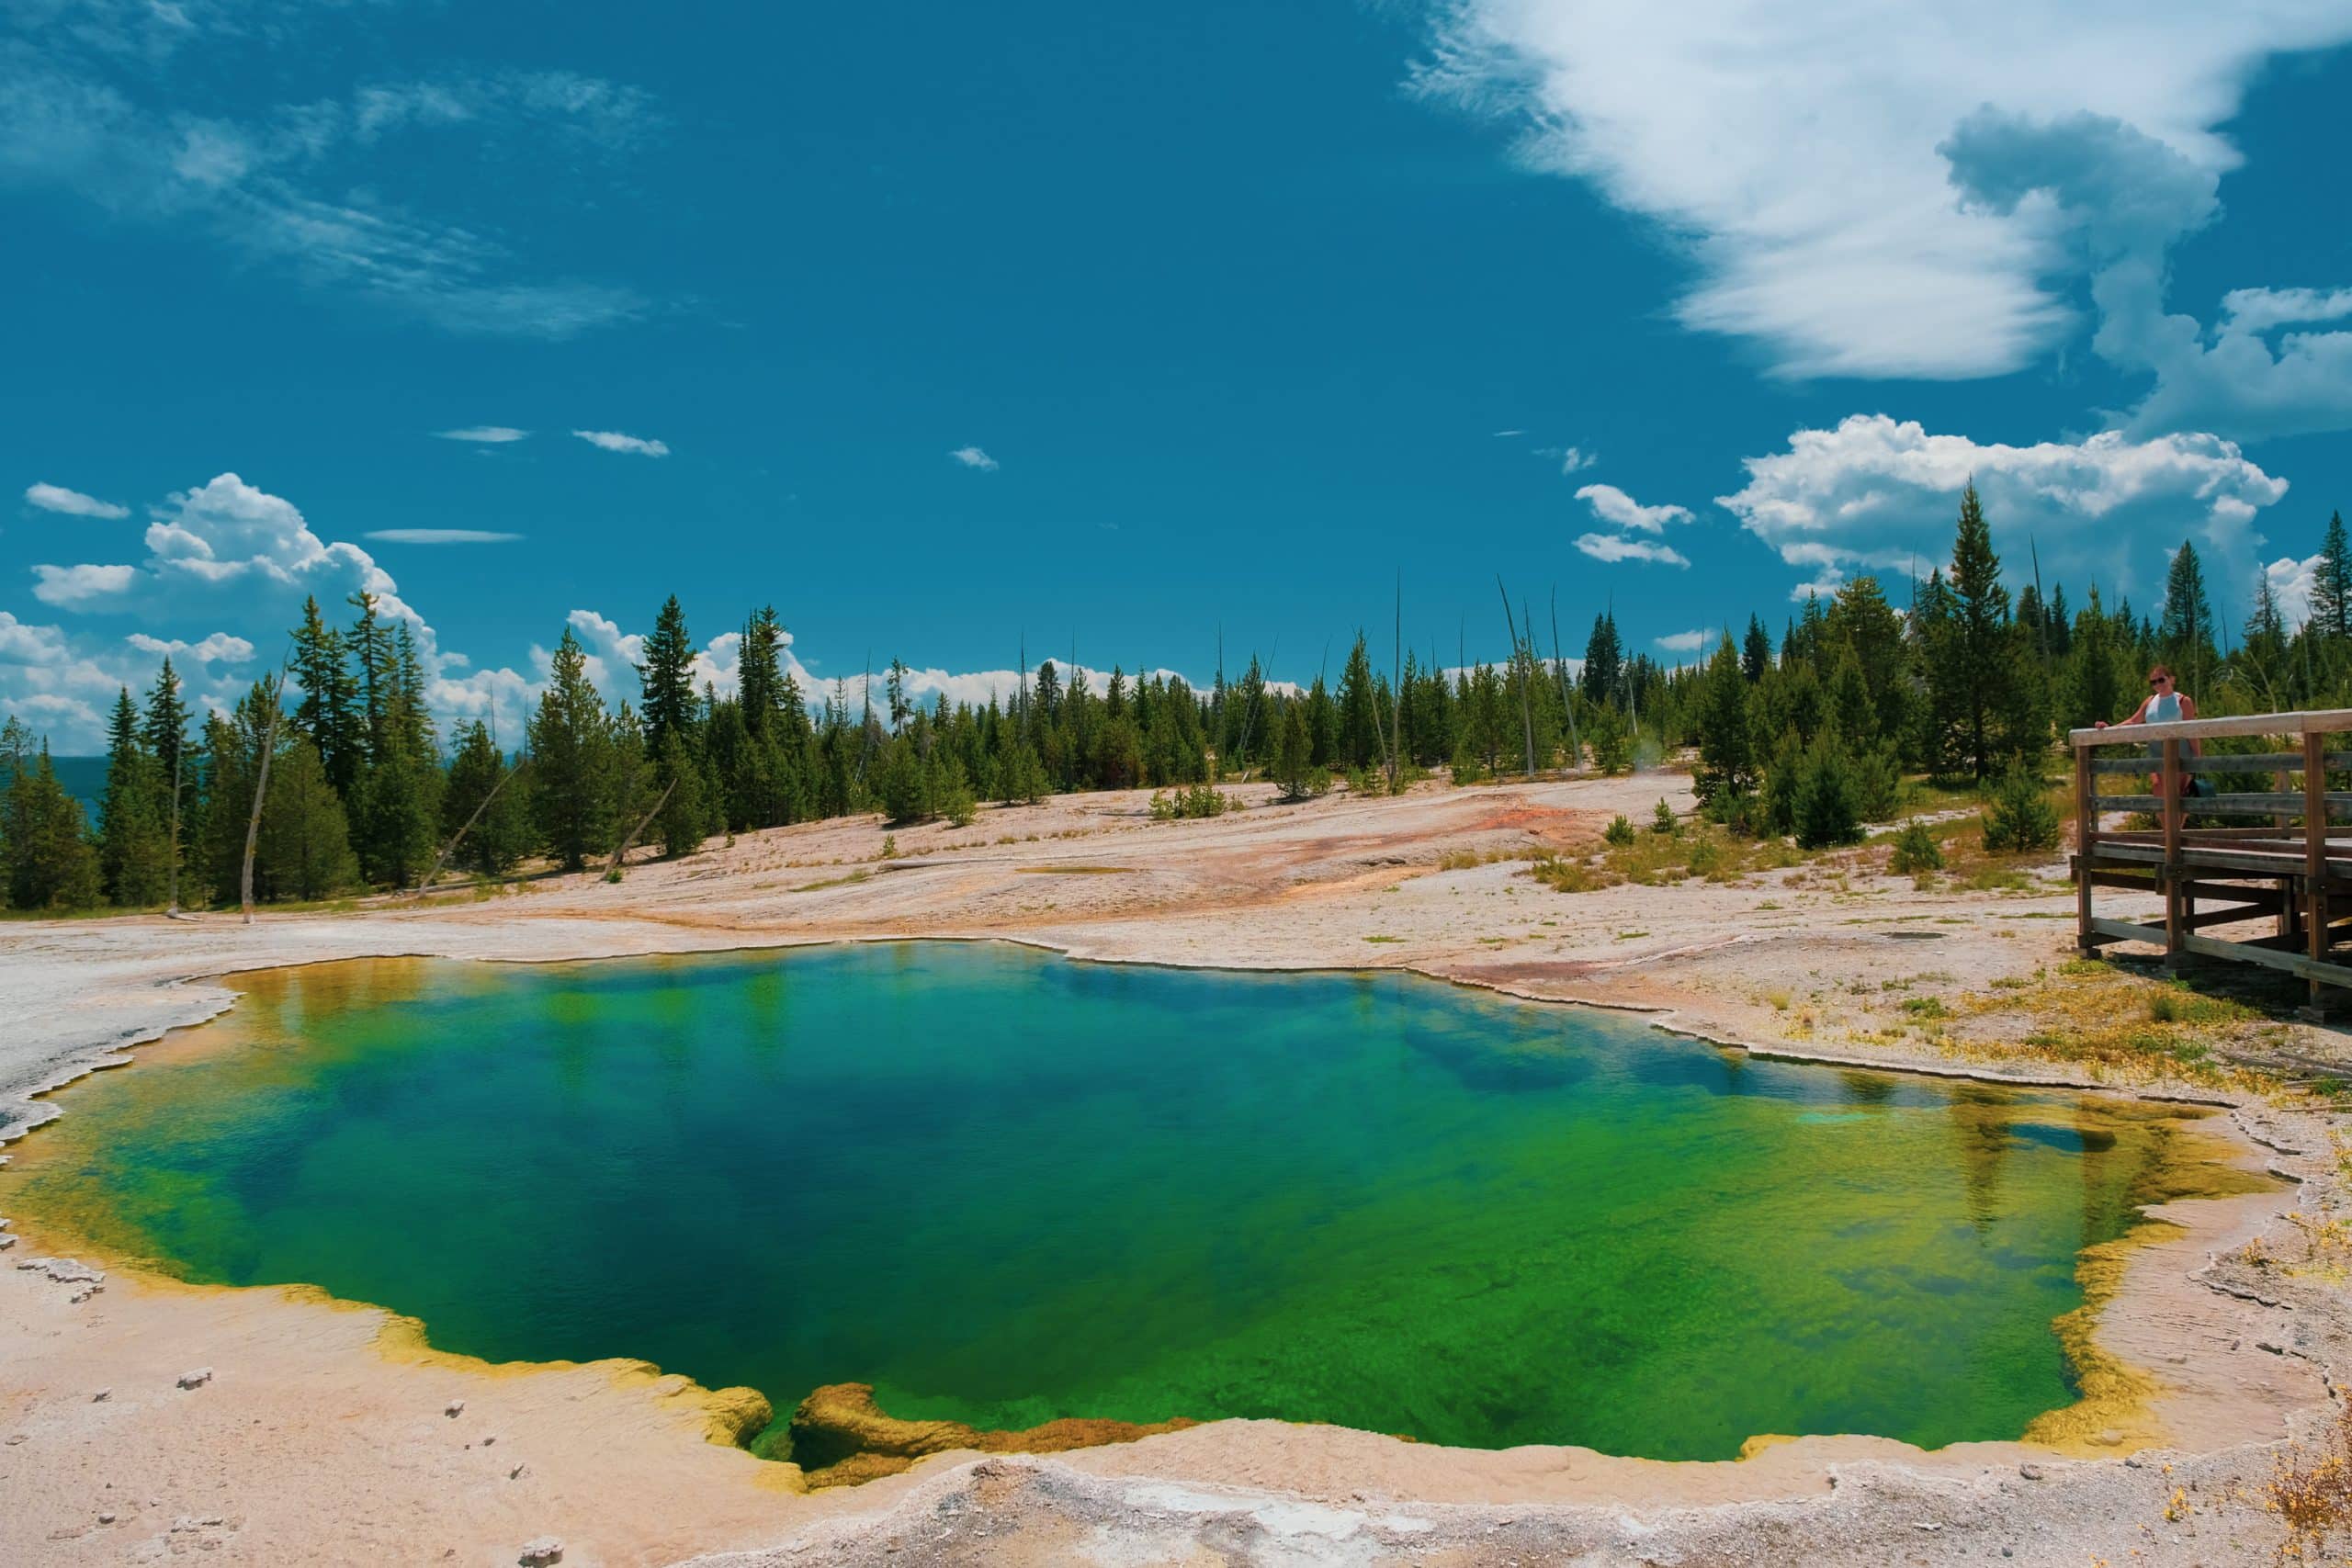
(1004, 1187)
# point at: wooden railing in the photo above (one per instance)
(2295, 846)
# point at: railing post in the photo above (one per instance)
(2284, 821)
(2085, 845)
(2168, 803)
(2315, 847)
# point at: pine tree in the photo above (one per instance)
(1756, 656)
(572, 775)
(2332, 583)
(134, 844)
(164, 731)
(1358, 740)
(480, 792)
(2185, 632)
(1294, 753)
(49, 861)
(1969, 653)
(1726, 747)
(1602, 680)
(304, 847)
(679, 824)
(327, 714)
(759, 678)
(1826, 809)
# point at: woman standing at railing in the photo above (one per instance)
(2165, 704)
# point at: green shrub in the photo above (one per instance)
(1662, 819)
(1612, 742)
(1878, 784)
(1915, 851)
(1827, 807)
(1620, 832)
(2021, 816)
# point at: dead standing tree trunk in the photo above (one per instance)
(1519, 667)
(457, 838)
(276, 687)
(612, 872)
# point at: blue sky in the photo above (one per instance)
(1230, 311)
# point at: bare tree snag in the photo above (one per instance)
(628, 843)
(277, 689)
(450, 848)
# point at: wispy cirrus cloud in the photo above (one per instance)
(974, 458)
(1617, 548)
(71, 502)
(292, 188)
(484, 434)
(614, 441)
(440, 536)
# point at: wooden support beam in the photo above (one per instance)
(2316, 851)
(2127, 930)
(2175, 901)
(2085, 845)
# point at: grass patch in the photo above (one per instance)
(1701, 850)
(1384, 939)
(834, 882)
(2093, 1011)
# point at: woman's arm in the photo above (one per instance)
(2137, 715)
(2189, 711)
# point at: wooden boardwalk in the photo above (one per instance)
(2279, 884)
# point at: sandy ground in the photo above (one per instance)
(322, 1432)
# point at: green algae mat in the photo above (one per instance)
(1004, 1187)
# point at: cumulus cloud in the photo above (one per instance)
(440, 536)
(1796, 158)
(219, 648)
(973, 457)
(72, 502)
(1617, 548)
(1682, 642)
(77, 587)
(614, 441)
(2291, 584)
(1614, 506)
(484, 434)
(1876, 494)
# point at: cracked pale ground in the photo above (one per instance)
(321, 1436)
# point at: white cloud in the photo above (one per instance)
(72, 502)
(2121, 198)
(1796, 153)
(1614, 506)
(293, 187)
(219, 648)
(614, 441)
(973, 457)
(2291, 584)
(484, 434)
(1617, 548)
(77, 587)
(440, 536)
(1682, 642)
(1575, 460)
(1875, 494)
(1502, 433)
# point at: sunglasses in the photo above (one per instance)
(2158, 685)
